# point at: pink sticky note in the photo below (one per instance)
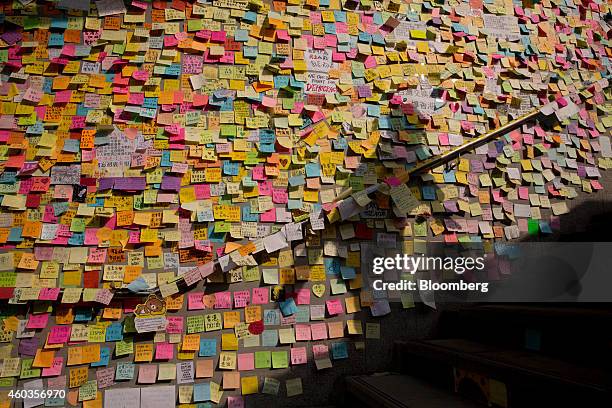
(59, 334)
(242, 298)
(320, 351)
(302, 332)
(202, 191)
(62, 96)
(279, 196)
(265, 188)
(393, 181)
(147, 373)
(175, 325)
(258, 173)
(218, 36)
(136, 98)
(370, 62)
(140, 75)
(55, 369)
(223, 300)
(443, 139)
(318, 331)
(38, 321)
(164, 351)
(235, 402)
(268, 101)
(194, 301)
(268, 216)
(334, 307)
(298, 355)
(303, 296)
(260, 296)
(49, 294)
(246, 361)
(282, 35)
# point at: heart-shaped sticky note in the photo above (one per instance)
(318, 289)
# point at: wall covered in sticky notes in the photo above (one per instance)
(173, 228)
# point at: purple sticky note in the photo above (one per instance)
(11, 37)
(106, 183)
(171, 183)
(131, 183)
(28, 347)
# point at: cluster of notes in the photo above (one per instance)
(195, 150)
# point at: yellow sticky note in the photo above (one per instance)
(250, 385)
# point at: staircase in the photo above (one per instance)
(514, 356)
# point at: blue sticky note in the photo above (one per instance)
(303, 314)
(15, 235)
(332, 266)
(348, 272)
(298, 180)
(250, 52)
(138, 285)
(266, 147)
(339, 351)
(208, 347)
(104, 358)
(8, 177)
(294, 204)
(241, 35)
(288, 307)
(449, 177)
(201, 392)
(231, 168)
(82, 315)
(313, 170)
(429, 192)
(247, 216)
(114, 332)
(269, 338)
(77, 239)
(340, 144)
(125, 371)
(545, 227)
(271, 317)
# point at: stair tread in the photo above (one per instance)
(515, 360)
(404, 391)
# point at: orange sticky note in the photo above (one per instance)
(44, 358)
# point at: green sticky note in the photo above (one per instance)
(26, 369)
(420, 229)
(533, 227)
(228, 130)
(88, 390)
(418, 34)
(124, 347)
(262, 359)
(280, 359)
(251, 274)
(222, 226)
(194, 25)
(195, 324)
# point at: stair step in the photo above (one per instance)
(579, 334)
(401, 391)
(522, 372)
